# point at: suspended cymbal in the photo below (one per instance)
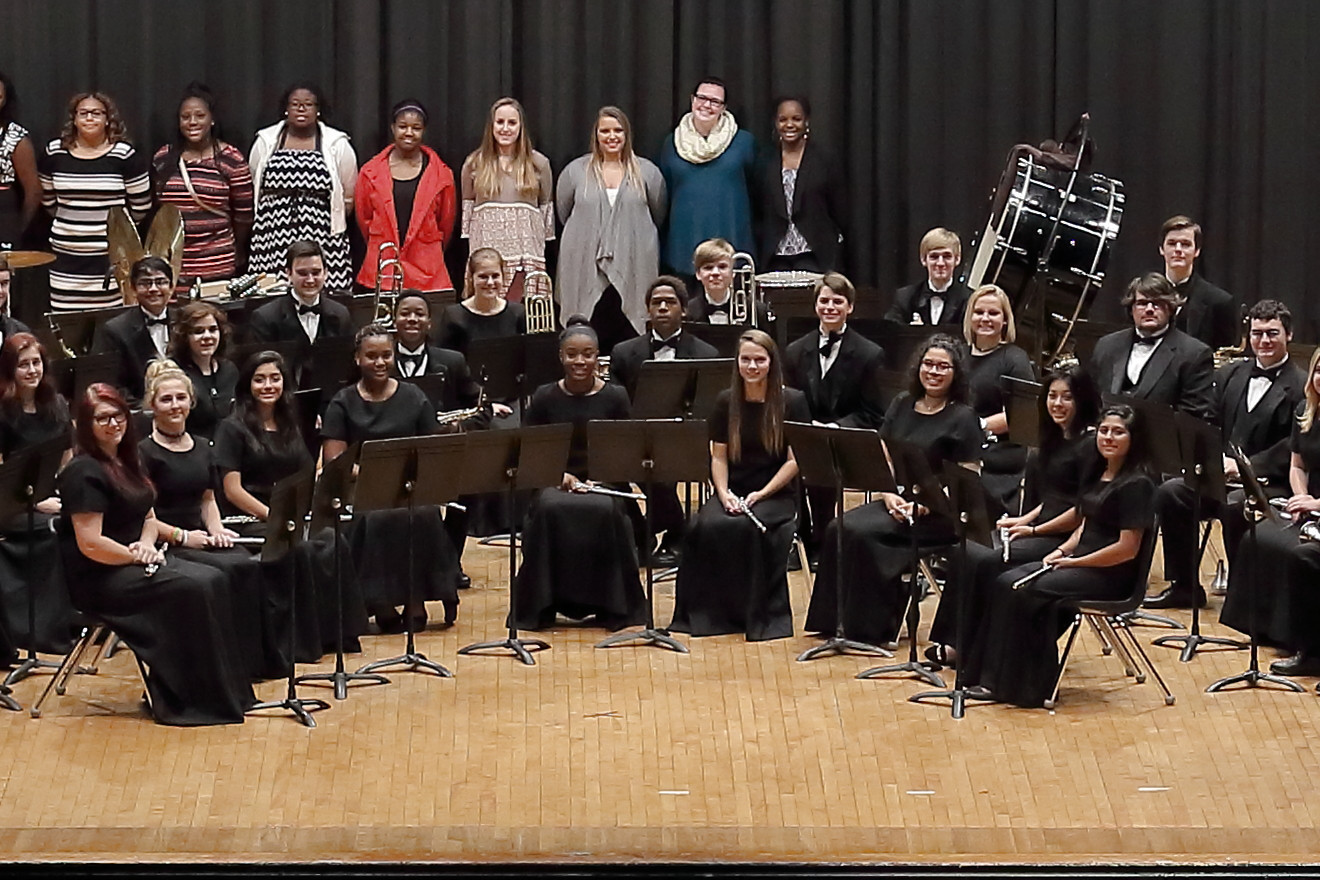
(28, 259)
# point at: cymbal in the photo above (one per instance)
(28, 259)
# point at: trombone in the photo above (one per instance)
(540, 306)
(745, 292)
(382, 311)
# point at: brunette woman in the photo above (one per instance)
(210, 183)
(405, 195)
(508, 202)
(803, 198)
(734, 576)
(174, 614)
(198, 340)
(89, 169)
(20, 187)
(934, 416)
(579, 550)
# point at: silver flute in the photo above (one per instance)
(1023, 581)
(1005, 538)
(586, 488)
(746, 510)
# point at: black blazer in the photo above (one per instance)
(1210, 313)
(849, 393)
(916, 298)
(10, 325)
(278, 322)
(627, 357)
(460, 390)
(1264, 432)
(696, 311)
(126, 336)
(1179, 374)
(819, 206)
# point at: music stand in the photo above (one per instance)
(1023, 410)
(839, 458)
(967, 497)
(72, 375)
(506, 461)
(515, 366)
(290, 501)
(29, 477)
(328, 501)
(647, 453)
(665, 389)
(1203, 471)
(1255, 502)
(724, 337)
(410, 472)
(431, 384)
(330, 365)
(712, 378)
(913, 471)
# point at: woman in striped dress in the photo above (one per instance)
(88, 170)
(210, 183)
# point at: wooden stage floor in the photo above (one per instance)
(734, 753)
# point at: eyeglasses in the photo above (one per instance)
(1154, 303)
(160, 281)
(707, 99)
(90, 114)
(302, 105)
(937, 366)
(105, 420)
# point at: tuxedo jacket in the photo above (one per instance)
(627, 357)
(1264, 432)
(278, 322)
(818, 206)
(10, 325)
(916, 298)
(1179, 374)
(849, 393)
(1210, 313)
(696, 311)
(460, 390)
(126, 336)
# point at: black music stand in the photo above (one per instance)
(410, 472)
(72, 375)
(912, 470)
(972, 522)
(506, 461)
(329, 365)
(290, 501)
(515, 366)
(77, 331)
(665, 389)
(1203, 471)
(712, 378)
(839, 458)
(646, 453)
(1257, 507)
(328, 503)
(723, 336)
(1023, 410)
(29, 477)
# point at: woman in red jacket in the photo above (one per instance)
(406, 195)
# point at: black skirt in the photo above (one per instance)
(1280, 576)
(243, 586)
(382, 543)
(733, 578)
(978, 569)
(34, 559)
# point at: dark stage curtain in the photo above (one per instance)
(1204, 107)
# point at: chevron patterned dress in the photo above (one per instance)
(293, 205)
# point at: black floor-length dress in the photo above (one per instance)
(1002, 462)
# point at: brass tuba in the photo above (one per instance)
(540, 305)
(744, 291)
(382, 311)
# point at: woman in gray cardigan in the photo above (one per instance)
(611, 202)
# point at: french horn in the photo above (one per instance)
(164, 240)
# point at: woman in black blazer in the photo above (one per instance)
(802, 199)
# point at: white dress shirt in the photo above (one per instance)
(159, 333)
(311, 321)
(828, 361)
(1258, 385)
(1142, 351)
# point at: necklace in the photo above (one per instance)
(167, 435)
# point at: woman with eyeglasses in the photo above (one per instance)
(174, 614)
(198, 340)
(933, 416)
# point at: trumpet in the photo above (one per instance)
(745, 292)
(382, 311)
(745, 509)
(540, 306)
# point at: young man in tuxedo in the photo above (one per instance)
(1208, 313)
(9, 325)
(713, 260)
(139, 336)
(1156, 361)
(940, 298)
(837, 369)
(1255, 400)
(666, 305)
(305, 316)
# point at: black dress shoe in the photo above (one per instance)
(464, 581)
(451, 612)
(1300, 663)
(794, 560)
(389, 622)
(813, 560)
(1175, 597)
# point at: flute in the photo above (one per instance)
(746, 511)
(585, 488)
(1005, 538)
(1023, 581)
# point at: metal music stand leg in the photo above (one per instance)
(521, 648)
(1193, 639)
(411, 660)
(302, 709)
(31, 663)
(922, 669)
(340, 678)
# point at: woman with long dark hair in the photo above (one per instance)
(20, 186)
(198, 339)
(734, 577)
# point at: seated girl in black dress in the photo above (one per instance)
(174, 614)
(380, 407)
(1012, 654)
(934, 416)
(31, 412)
(198, 340)
(483, 313)
(734, 577)
(579, 550)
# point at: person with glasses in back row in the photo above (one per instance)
(139, 336)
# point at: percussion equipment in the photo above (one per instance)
(540, 305)
(744, 291)
(385, 301)
(790, 294)
(27, 259)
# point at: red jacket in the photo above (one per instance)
(429, 229)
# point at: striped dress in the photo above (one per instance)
(223, 183)
(80, 194)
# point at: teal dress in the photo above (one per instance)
(708, 200)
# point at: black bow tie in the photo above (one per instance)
(414, 360)
(1148, 340)
(658, 344)
(722, 307)
(1270, 373)
(830, 341)
(162, 321)
(309, 310)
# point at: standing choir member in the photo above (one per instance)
(139, 336)
(579, 555)
(508, 197)
(198, 341)
(989, 329)
(713, 304)
(803, 199)
(20, 185)
(1208, 313)
(837, 370)
(610, 201)
(380, 407)
(709, 166)
(405, 195)
(89, 169)
(210, 183)
(933, 415)
(939, 298)
(172, 613)
(304, 172)
(734, 577)
(306, 315)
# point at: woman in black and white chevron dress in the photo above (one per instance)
(88, 170)
(304, 173)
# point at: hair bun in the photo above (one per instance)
(159, 367)
(577, 321)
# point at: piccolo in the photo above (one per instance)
(601, 490)
(745, 509)
(1023, 581)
